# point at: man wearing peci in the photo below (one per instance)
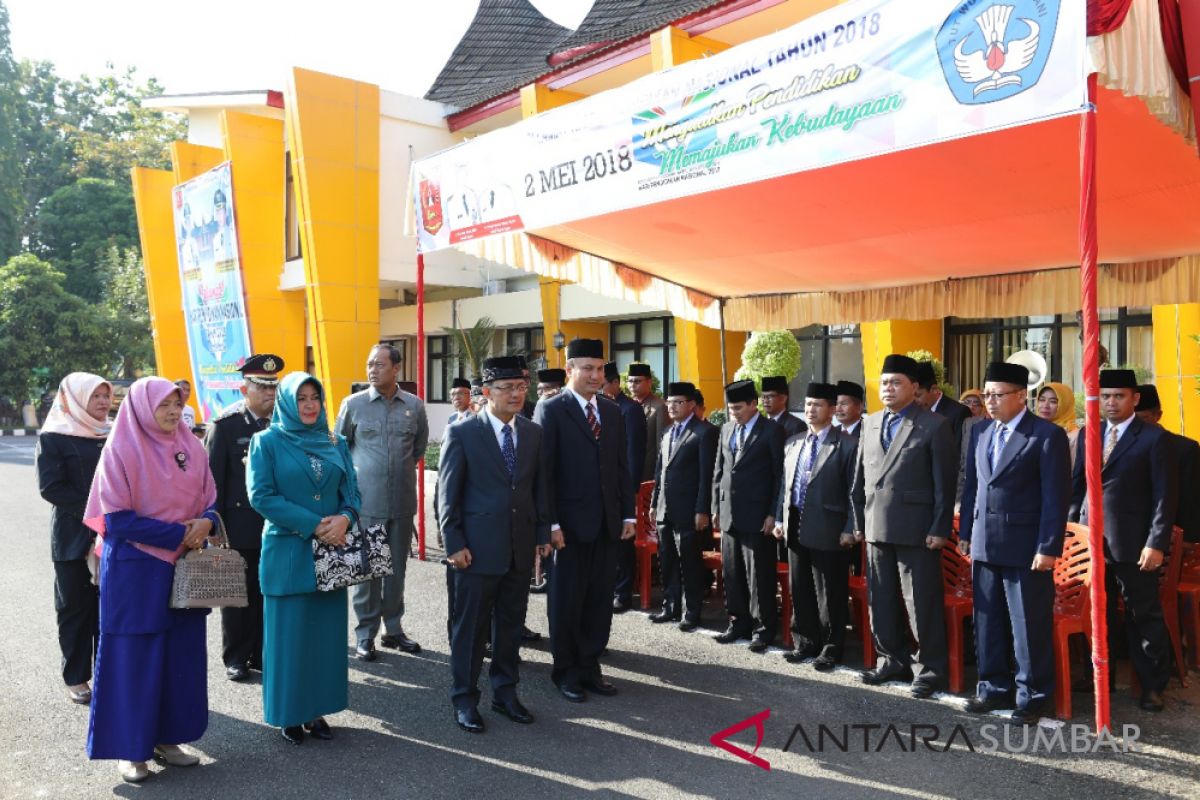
(814, 519)
(460, 399)
(228, 443)
(1187, 459)
(746, 484)
(851, 403)
(1014, 512)
(903, 502)
(681, 507)
(590, 509)
(776, 396)
(1139, 489)
(492, 504)
(550, 382)
(929, 396)
(636, 446)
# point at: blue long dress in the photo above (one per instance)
(304, 631)
(151, 682)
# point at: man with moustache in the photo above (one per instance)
(636, 450)
(681, 507)
(492, 504)
(903, 502)
(746, 484)
(851, 403)
(814, 519)
(641, 387)
(227, 443)
(591, 508)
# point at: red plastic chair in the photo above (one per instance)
(860, 613)
(1189, 600)
(1072, 609)
(958, 602)
(645, 543)
(785, 599)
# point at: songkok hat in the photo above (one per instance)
(1149, 398)
(639, 370)
(611, 373)
(585, 348)
(741, 392)
(558, 376)
(501, 367)
(852, 389)
(698, 396)
(460, 383)
(821, 391)
(925, 375)
(896, 364)
(1118, 379)
(1003, 372)
(775, 383)
(681, 389)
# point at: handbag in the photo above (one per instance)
(365, 556)
(213, 577)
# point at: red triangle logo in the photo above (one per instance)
(720, 739)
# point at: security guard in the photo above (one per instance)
(227, 442)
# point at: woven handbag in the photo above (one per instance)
(365, 556)
(214, 577)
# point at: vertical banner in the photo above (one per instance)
(210, 274)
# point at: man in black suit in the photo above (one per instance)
(681, 506)
(636, 445)
(1187, 460)
(814, 519)
(227, 443)
(746, 484)
(1139, 485)
(903, 500)
(590, 509)
(929, 396)
(775, 401)
(851, 403)
(492, 506)
(1014, 513)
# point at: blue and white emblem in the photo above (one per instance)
(992, 51)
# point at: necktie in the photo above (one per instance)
(509, 451)
(675, 429)
(885, 435)
(804, 466)
(998, 444)
(593, 422)
(739, 439)
(1109, 445)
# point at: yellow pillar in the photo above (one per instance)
(152, 192)
(536, 98)
(1176, 363)
(333, 131)
(880, 339)
(255, 146)
(671, 46)
(551, 295)
(698, 351)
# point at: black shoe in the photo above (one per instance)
(572, 693)
(319, 729)
(468, 719)
(238, 672)
(730, 635)
(294, 734)
(985, 705)
(875, 677)
(824, 663)
(1025, 716)
(923, 689)
(599, 686)
(254, 664)
(399, 642)
(512, 708)
(759, 645)
(689, 625)
(1152, 701)
(530, 636)
(365, 651)
(619, 606)
(663, 616)
(801, 654)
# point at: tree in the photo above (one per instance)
(77, 224)
(45, 331)
(769, 353)
(127, 310)
(10, 167)
(470, 346)
(939, 371)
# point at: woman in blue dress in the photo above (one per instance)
(300, 477)
(151, 499)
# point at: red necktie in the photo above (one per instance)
(595, 423)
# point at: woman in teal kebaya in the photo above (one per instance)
(301, 479)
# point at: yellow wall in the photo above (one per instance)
(156, 228)
(881, 339)
(1176, 363)
(551, 296)
(255, 146)
(333, 128)
(698, 349)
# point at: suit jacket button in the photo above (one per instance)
(317, 496)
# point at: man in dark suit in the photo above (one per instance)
(227, 443)
(851, 403)
(775, 401)
(492, 504)
(814, 519)
(929, 396)
(460, 398)
(1139, 485)
(590, 509)
(681, 507)
(635, 453)
(1187, 461)
(746, 484)
(903, 500)
(1014, 512)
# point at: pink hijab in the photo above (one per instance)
(144, 469)
(69, 414)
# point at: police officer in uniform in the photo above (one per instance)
(227, 442)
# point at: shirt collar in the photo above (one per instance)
(684, 424)
(823, 435)
(1015, 421)
(1120, 426)
(374, 393)
(583, 404)
(749, 426)
(908, 411)
(498, 426)
(851, 428)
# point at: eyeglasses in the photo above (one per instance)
(998, 395)
(510, 388)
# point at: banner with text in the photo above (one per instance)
(214, 304)
(859, 80)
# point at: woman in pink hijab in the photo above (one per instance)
(152, 499)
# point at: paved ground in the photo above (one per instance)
(651, 741)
